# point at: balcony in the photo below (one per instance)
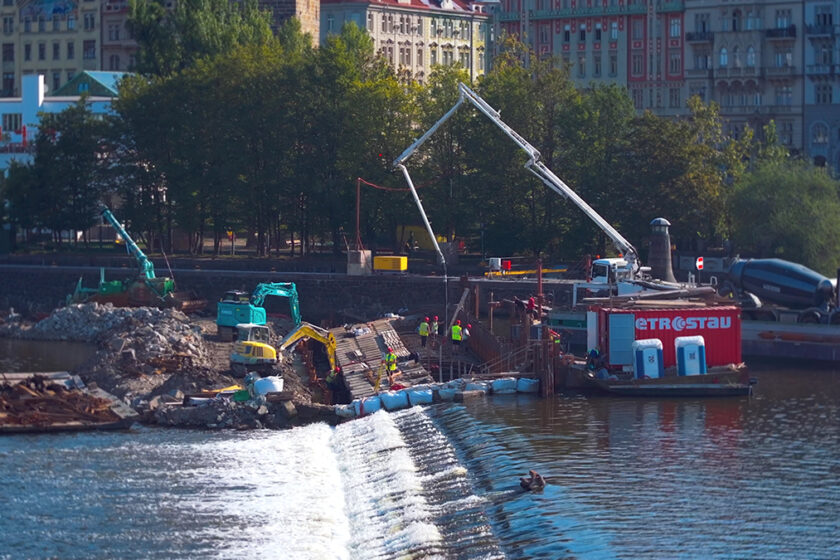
(699, 73)
(670, 6)
(821, 69)
(782, 33)
(700, 36)
(780, 71)
(815, 31)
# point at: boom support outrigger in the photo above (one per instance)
(534, 165)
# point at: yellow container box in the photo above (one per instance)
(390, 264)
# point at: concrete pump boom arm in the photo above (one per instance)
(147, 268)
(534, 165)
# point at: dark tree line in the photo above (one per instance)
(227, 127)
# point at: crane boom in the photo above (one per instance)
(147, 268)
(534, 165)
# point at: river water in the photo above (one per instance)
(745, 478)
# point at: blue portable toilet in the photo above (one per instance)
(647, 358)
(691, 355)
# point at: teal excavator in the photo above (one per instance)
(144, 289)
(237, 307)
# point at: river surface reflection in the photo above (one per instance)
(746, 478)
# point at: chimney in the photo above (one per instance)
(659, 257)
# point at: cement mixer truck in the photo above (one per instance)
(781, 291)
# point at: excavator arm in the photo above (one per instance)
(284, 289)
(308, 330)
(147, 269)
(534, 165)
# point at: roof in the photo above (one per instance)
(96, 83)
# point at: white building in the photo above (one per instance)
(20, 114)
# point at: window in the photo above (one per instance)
(613, 65)
(384, 27)
(701, 23)
(614, 31)
(89, 49)
(433, 58)
(699, 91)
(8, 89)
(89, 22)
(27, 51)
(785, 129)
(784, 58)
(12, 121)
(782, 18)
(27, 25)
(567, 31)
(638, 64)
(8, 24)
(8, 52)
(42, 23)
(330, 27)
(638, 99)
(736, 20)
(70, 74)
(582, 32)
(71, 22)
(56, 80)
(597, 31)
(448, 56)
(675, 63)
(674, 98)
(597, 70)
(464, 58)
(71, 50)
(825, 56)
(56, 22)
(114, 62)
(823, 94)
(675, 27)
(481, 61)
(736, 57)
(750, 57)
(370, 22)
(42, 51)
(824, 15)
(819, 133)
(56, 48)
(638, 29)
(581, 67)
(724, 58)
(420, 56)
(543, 34)
(784, 95)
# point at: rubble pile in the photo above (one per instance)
(40, 402)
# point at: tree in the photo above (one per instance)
(70, 152)
(788, 209)
(171, 40)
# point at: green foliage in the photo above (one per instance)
(171, 40)
(790, 210)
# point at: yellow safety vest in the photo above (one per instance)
(391, 361)
(424, 329)
(456, 332)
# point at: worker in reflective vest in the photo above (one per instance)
(435, 327)
(390, 361)
(457, 333)
(423, 329)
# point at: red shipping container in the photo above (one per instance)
(720, 328)
(506, 265)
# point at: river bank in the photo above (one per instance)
(151, 358)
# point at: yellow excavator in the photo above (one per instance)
(253, 350)
(308, 330)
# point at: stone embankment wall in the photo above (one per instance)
(33, 289)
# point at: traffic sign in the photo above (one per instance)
(699, 263)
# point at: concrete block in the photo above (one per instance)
(464, 396)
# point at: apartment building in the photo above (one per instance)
(822, 92)
(417, 34)
(747, 56)
(638, 44)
